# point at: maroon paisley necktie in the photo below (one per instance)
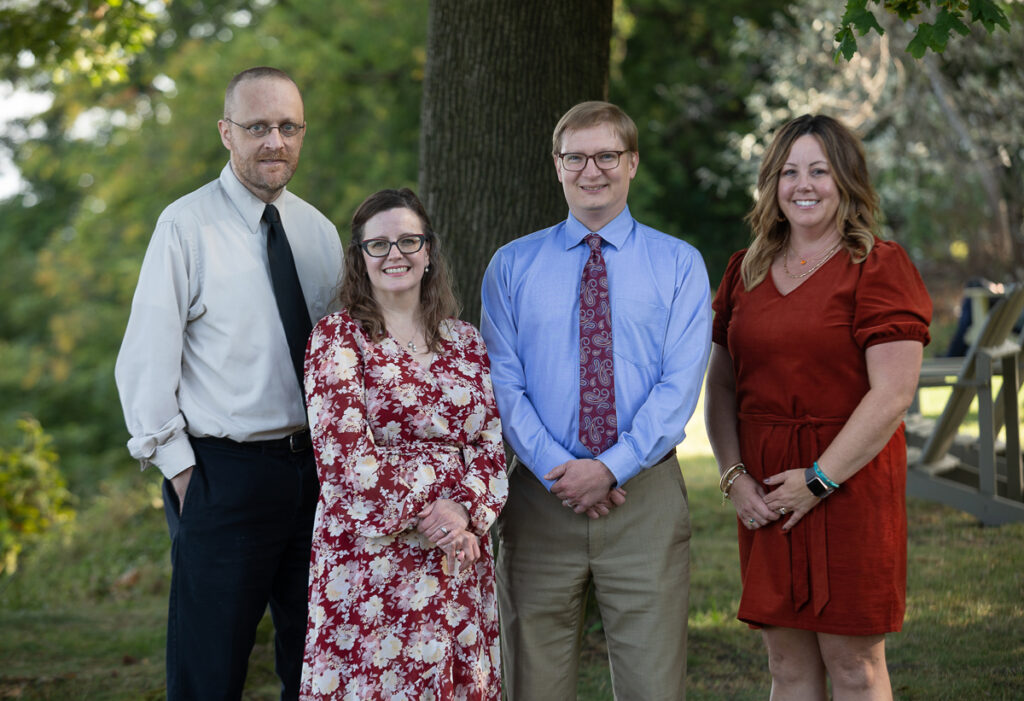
(598, 430)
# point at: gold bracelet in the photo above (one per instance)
(728, 485)
(728, 477)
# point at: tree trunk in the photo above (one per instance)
(499, 75)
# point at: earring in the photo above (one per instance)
(426, 269)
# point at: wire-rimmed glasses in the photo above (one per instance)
(261, 129)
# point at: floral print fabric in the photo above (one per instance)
(387, 620)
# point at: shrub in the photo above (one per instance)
(34, 498)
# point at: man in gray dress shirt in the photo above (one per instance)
(211, 396)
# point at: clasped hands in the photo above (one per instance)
(585, 486)
(756, 507)
(445, 523)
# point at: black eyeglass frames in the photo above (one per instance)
(379, 248)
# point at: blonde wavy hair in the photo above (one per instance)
(858, 201)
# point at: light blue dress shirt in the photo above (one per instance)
(661, 325)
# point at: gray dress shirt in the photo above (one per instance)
(205, 352)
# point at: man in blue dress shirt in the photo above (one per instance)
(614, 513)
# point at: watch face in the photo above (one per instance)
(817, 487)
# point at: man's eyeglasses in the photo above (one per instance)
(605, 160)
(260, 130)
(379, 248)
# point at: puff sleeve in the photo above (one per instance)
(892, 303)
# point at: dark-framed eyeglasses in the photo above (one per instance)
(605, 160)
(261, 129)
(379, 248)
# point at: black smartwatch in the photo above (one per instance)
(816, 484)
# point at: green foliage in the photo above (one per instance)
(77, 238)
(935, 36)
(858, 19)
(33, 495)
(684, 82)
(117, 550)
(941, 134)
(97, 39)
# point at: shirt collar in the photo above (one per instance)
(249, 206)
(614, 232)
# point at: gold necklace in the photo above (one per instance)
(785, 261)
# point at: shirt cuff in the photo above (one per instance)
(547, 461)
(174, 457)
(619, 459)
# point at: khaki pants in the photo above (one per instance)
(638, 558)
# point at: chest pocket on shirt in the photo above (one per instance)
(639, 328)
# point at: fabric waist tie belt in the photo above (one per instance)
(808, 541)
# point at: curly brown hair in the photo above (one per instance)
(858, 201)
(437, 296)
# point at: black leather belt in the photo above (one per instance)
(298, 442)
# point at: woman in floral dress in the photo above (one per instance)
(412, 473)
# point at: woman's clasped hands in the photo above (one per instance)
(790, 496)
(445, 523)
(757, 507)
(747, 497)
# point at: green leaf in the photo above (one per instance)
(847, 44)
(921, 41)
(858, 15)
(905, 9)
(950, 21)
(989, 14)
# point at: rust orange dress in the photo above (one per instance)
(800, 372)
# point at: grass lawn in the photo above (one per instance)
(84, 617)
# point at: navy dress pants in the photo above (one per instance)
(241, 542)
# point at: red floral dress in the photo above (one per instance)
(386, 618)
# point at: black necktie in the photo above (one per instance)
(291, 304)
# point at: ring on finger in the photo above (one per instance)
(751, 521)
(782, 510)
(444, 530)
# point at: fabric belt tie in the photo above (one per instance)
(808, 540)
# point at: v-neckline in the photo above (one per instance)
(803, 281)
(429, 367)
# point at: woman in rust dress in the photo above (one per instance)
(818, 338)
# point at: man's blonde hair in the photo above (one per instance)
(592, 114)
